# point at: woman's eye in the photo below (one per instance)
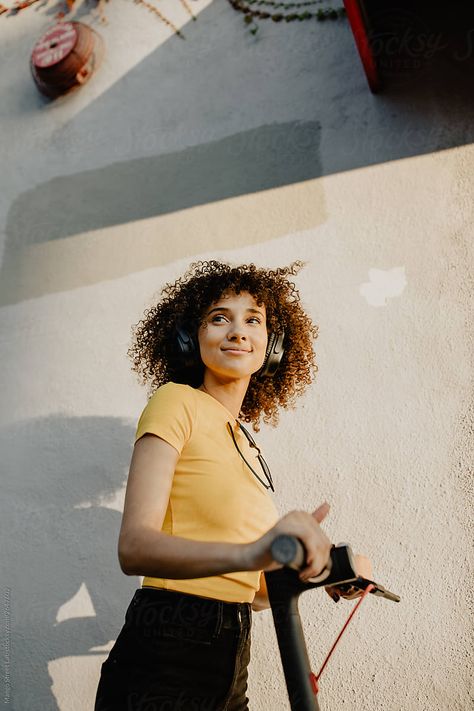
(220, 318)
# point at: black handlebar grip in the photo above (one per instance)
(289, 551)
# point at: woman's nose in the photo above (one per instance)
(236, 333)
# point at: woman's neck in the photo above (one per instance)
(230, 394)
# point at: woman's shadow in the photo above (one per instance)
(60, 474)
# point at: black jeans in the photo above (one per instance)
(178, 652)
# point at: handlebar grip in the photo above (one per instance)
(339, 569)
(289, 551)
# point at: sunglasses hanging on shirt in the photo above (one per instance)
(261, 460)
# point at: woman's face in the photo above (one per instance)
(233, 336)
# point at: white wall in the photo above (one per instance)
(244, 149)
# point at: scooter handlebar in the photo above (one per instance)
(340, 569)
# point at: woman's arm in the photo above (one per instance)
(143, 549)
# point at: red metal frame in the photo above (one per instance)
(355, 12)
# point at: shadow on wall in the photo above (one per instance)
(245, 117)
(53, 465)
(247, 162)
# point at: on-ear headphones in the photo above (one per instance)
(188, 347)
(273, 354)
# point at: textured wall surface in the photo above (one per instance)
(261, 149)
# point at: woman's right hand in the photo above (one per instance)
(304, 526)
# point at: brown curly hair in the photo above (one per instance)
(156, 357)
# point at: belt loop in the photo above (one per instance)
(243, 616)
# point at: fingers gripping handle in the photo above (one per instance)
(339, 568)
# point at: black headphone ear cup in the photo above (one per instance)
(273, 354)
(187, 345)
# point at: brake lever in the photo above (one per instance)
(363, 583)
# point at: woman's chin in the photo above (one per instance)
(230, 374)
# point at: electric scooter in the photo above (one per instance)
(284, 588)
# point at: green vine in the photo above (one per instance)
(285, 11)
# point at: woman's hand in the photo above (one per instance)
(363, 568)
(304, 526)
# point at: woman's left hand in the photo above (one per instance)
(363, 568)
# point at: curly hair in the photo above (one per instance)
(154, 351)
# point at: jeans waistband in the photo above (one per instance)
(234, 615)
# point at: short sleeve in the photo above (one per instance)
(169, 414)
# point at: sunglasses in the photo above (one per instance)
(261, 460)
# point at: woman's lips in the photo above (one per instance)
(234, 351)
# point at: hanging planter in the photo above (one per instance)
(65, 57)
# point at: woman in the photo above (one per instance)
(224, 345)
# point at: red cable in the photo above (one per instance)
(314, 678)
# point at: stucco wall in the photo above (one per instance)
(244, 149)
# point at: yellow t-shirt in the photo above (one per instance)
(214, 495)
